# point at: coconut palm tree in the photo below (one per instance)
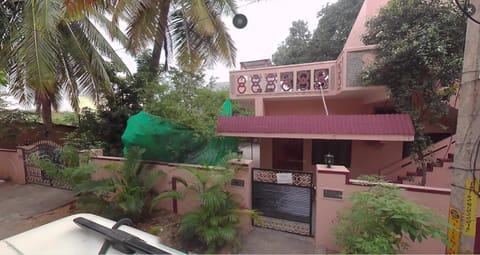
(50, 52)
(191, 29)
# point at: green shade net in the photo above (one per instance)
(169, 142)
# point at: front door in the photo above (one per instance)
(288, 154)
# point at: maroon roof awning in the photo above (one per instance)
(380, 127)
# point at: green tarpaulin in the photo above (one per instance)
(168, 142)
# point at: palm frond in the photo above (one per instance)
(150, 177)
(143, 23)
(93, 186)
(196, 46)
(200, 14)
(166, 195)
(101, 44)
(87, 62)
(36, 43)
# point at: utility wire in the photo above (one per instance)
(464, 9)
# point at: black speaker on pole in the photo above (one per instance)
(240, 21)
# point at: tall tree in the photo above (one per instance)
(294, 49)
(419, 58)
(334, 25)
(109, 121)
(49, 53)
(193, 29)
(187, 99)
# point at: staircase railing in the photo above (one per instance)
(440, 149)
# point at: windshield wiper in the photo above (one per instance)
(120, 240)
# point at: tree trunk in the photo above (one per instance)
(46, 110)
(423, 169)
(154, 64)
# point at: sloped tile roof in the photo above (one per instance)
(370, 124)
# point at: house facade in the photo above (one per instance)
(305, 111)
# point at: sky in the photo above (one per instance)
(268, 25)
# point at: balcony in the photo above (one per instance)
(303, 80)
(283, 80)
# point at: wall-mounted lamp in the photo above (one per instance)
(239, 155)
(328, 158)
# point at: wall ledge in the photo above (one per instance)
(338, 170)
(8, 150)
(242, 162)
(424, 189)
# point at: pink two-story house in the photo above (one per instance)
(305, 111)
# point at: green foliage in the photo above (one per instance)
(371, 178)
(108, 122)
(126, 192)
(190, 31)
(184, 98)
(420, 50)
(212, 224)
(49, 58)
(334, 25)
(380, 221)
(14, 122)
(65, 118)
(3, 78)
(295, 48)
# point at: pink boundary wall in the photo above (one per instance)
(177, 171)
(338, 178)
(12, 167)
(325, 211)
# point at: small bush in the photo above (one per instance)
(381, 221)
(213, 224)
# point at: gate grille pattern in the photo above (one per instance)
(284, 206)
(41, 150)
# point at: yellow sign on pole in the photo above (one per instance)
(454, 231)
(470, 207)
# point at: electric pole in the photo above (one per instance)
(464, 189)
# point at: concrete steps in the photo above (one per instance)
(438, 174)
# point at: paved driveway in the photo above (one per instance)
(267, 241)
(20, 202)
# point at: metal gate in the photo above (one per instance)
(284, 199)
(41, 150)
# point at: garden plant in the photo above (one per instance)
(382, 221)
(127, 192)
(214, 223)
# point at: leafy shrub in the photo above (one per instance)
(127, 193)
(381, 220)
(212, 224)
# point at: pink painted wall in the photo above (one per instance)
(368, 157)
(12, 166)
(307, 155)
(336, 178)
(315, 106)
(369, 10)
(362, 162)
(178, 171)
(266, 152)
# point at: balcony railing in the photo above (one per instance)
(289, 79)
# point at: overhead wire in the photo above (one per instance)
(464, 10)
